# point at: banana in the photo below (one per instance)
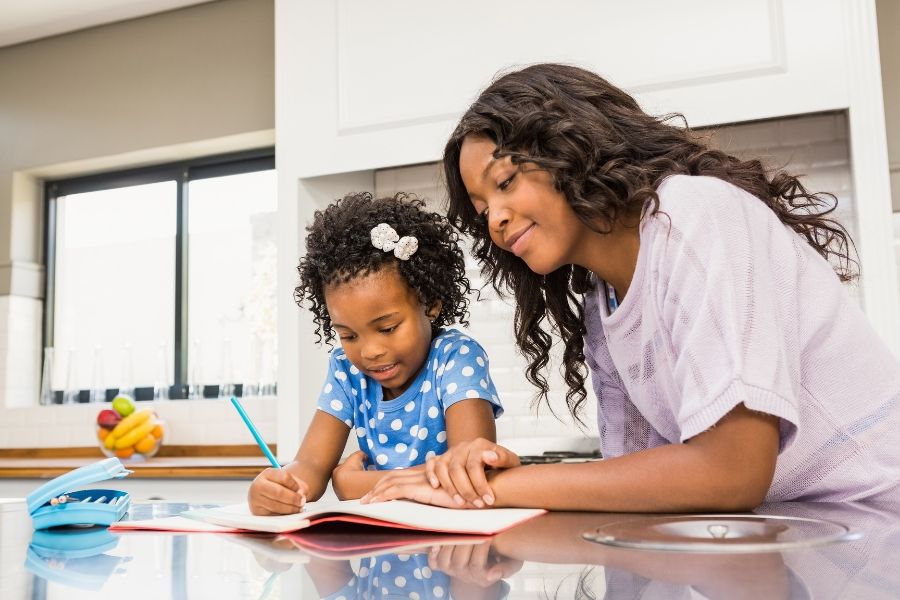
(127, 424)
(135, 435)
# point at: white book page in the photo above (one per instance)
(402, 512)
(171, 524)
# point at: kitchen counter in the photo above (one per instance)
(172, 462)
(542, 558)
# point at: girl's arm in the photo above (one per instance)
(469, 420)
(286, 490)
(320, 451)
(466, 420)
(726, 468)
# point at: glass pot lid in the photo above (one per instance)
(720, 533)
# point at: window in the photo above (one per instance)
(161, 281)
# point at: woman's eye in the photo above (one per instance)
(506, 182)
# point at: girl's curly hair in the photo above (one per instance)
(607, 157)
(339, 248)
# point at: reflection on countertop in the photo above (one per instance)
(542, 558)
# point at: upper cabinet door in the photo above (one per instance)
(364, 84)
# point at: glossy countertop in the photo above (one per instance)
(542, 558)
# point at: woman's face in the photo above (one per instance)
(525, 213)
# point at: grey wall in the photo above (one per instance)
(108, 95)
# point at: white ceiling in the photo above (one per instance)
(24, 20)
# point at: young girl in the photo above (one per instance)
(387, 276)
(728, 362)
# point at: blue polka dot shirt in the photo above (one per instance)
(411, 428)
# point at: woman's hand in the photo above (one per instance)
(460, 472)
(476, 570)
(277, 492)
(408, 484)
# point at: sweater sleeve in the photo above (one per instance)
(722, 262)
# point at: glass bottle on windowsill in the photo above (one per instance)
(195, 387)
(47, 396)
(226, 387)
(70, 396)
(250, 389)
(98, 388)
(127, 386)
(161, 387)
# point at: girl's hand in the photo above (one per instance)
(460, 472)
(354, 462)
(277, 492)
(408, 484)
(345, 476)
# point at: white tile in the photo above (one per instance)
(815, 129)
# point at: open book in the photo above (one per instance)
(395, 514)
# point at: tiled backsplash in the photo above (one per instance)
(815, 145)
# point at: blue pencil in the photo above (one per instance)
(256, 436)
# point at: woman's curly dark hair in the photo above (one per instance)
(339, 248)
(607, 157)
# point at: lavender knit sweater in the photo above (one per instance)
(729, 305)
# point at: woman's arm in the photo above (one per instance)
(728, 467)
(466, 420)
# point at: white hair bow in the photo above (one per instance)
(385, 237)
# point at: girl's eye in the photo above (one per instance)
(389, 329)
(347, 338)
(506, 182)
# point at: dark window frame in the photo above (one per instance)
(182, 172)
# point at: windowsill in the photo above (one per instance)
(178, 462)
(187, 423)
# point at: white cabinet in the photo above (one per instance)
(381, 84)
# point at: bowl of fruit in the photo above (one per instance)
(127, 432)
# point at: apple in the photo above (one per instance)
(123, 404)
(108, 418)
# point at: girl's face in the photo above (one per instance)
(384, 329)
(525, 213)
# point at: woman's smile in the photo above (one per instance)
(518, 242)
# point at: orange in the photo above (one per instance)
(102, 433)
(157, 432)
(125, 452)
(145, 445)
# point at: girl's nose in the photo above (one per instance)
(371, 351)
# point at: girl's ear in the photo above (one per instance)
(434, 310)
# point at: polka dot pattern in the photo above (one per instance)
(407, 430)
